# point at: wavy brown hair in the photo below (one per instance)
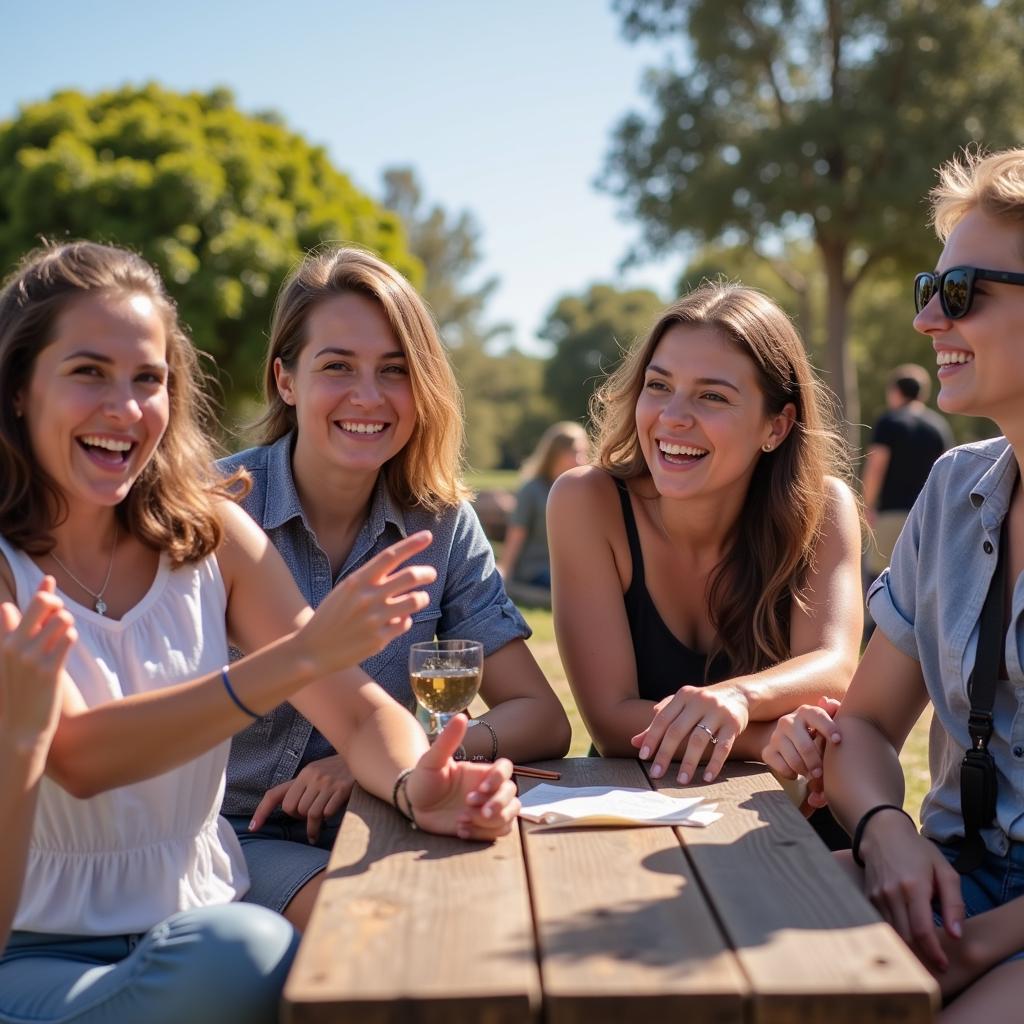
(172, 504)
(558, 439)
(751, 592)
(428, 471)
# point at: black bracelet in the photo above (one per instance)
(858, 832)
(234, 696)
(400, 784)
(494, 740)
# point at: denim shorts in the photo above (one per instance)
(280, 858)
(998, 880)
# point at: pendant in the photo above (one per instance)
(101, 606)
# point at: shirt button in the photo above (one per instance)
(1018, 751)
(987, 547)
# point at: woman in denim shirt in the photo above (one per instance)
(928, 607)
(363, 438)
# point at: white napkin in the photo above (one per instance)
(608, 805)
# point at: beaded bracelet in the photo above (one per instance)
(858, 832)
(234, 696)
(400, 787)
(494, 740)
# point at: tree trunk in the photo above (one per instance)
(838, 359)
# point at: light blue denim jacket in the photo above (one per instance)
(928, 603)
(467, 601)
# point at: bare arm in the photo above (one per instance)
(875, 465)
(140, 736)
(526, 716)
(824, 639)
(590, 619)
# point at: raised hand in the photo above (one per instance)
(692, 721)
(320, 790)
(796, 746)
(470, 799)
(368, 609)
(33, 647)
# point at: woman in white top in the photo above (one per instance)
(127, 910)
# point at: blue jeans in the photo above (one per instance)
(214, 965)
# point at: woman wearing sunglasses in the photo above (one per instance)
(941, 592)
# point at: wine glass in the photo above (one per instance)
(445, 677)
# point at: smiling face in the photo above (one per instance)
(350, 389)
(980, 357)
(96, 404)
(701, 418)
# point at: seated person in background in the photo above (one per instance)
(905, 442)
(705, 571)
(524, 557)
(362, 444)
(129, 909)
(968, 858)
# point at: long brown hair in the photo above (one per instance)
(559, 438)
(428, 470)
(751, 592)
(172, 504)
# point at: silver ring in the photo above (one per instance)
(714, 738)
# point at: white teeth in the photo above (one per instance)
(946, 358)
(106, 442)
(362, 428)
(680, 449)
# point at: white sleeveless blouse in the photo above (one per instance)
(120, 862)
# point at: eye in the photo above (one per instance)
(87, 370)
(714, 396)
(395, 369)
(152, 377)
(336, 366)
(654, 384)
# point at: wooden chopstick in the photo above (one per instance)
(534, 773)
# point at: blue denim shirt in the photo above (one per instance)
(467, 601)
(928, 603)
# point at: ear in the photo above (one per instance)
(781, 424)
(285, 381)
(19, 404)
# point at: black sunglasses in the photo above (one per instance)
(956, 288)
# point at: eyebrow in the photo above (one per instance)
(99, 357)
(703, 382)
(398, 354)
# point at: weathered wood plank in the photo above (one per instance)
(815, 951)
(411, 927)
(624, 931)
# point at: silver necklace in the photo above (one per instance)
(96, 595)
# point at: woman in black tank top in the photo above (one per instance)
(706, 569)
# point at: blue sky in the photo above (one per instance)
(504, 109)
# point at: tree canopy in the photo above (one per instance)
(813, 118)
(222, 202)
(590, 332)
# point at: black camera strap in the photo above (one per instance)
(978, 769)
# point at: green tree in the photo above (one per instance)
(505, 410)
(223, 203)
(821, 119)
(590, 333)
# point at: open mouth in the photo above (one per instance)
(681, 454)
(360, 429)
(106, 450)
(955, 358)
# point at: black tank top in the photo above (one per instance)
(663, 663)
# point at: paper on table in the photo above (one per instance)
(609, 805)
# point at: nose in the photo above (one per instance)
(121, 404)
(932, 319)
(678, 410)
(365, 391)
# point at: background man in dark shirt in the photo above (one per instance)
(905, 442)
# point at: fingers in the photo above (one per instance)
(381, 565)
(442, 750)
(951, 901)
(271, 799)
(829, 704)
(492, 817)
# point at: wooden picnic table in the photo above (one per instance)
(748, 920)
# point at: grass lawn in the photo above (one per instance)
(542, 643)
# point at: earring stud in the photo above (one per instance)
(767, 446)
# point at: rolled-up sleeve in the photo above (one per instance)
(892, 598)
(475, 605)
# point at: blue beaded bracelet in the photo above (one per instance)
(234, 696)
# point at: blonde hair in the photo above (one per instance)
(554, 442)
(992, 183)
(428, 470)
(751, 592)
(172, 504)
